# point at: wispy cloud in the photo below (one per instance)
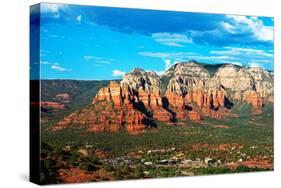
(250, 56)
(58, 67)
(262, 61)
(186, 56)
(89, 57)
(45, 63)
(79, 18)
(98, 61)
(210, 58)
(118, 73)
(103, 62)
(168, 55)
(54, 65)
(56, 36)
(171, 39)
(241, 51)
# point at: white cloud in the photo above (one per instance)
(89, 57)
(171, 39)
(242, 51)
(118, 73)
(59, 68)
(97, 60)
(56, 66)
(155, 54)
(167, 64)
(262, 60)
(228, 27)
(168, 55)
(253, 64)
(256, 57)
(201, 57)
(251, 24)
(79, 18)
(103, 62)
(172, 58)
(51, 7)
(56, 36)
(45, 62)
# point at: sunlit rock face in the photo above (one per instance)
(140, 79)
(185, 91)
(264, 83)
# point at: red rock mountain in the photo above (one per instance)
(191, 93)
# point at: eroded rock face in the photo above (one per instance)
(184, 84)
(191, 93)
(253, 98)
(139, 78)
(241, 80)
(174, 100)
(226, 76)
(63, 97)
(116, 106)
(162, 114)
(194, 116)
(187, 77)
(190, 68)
(264, 83)
(229, 83)
(111, 93)
(134, 121)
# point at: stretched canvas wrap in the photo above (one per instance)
(118, 94)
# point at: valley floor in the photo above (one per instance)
(211, 146)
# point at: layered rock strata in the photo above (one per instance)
(190, 92)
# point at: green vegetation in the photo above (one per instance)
(81, 92)
(240, 138)
(246, 130)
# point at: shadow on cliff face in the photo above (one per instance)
(227, 103)
(165, 105)
(188, 108)
(140, 107)
(148, 121)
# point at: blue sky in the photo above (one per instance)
(97, 43)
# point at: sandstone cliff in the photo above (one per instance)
(190, 92)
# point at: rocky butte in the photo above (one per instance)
(187, 90)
